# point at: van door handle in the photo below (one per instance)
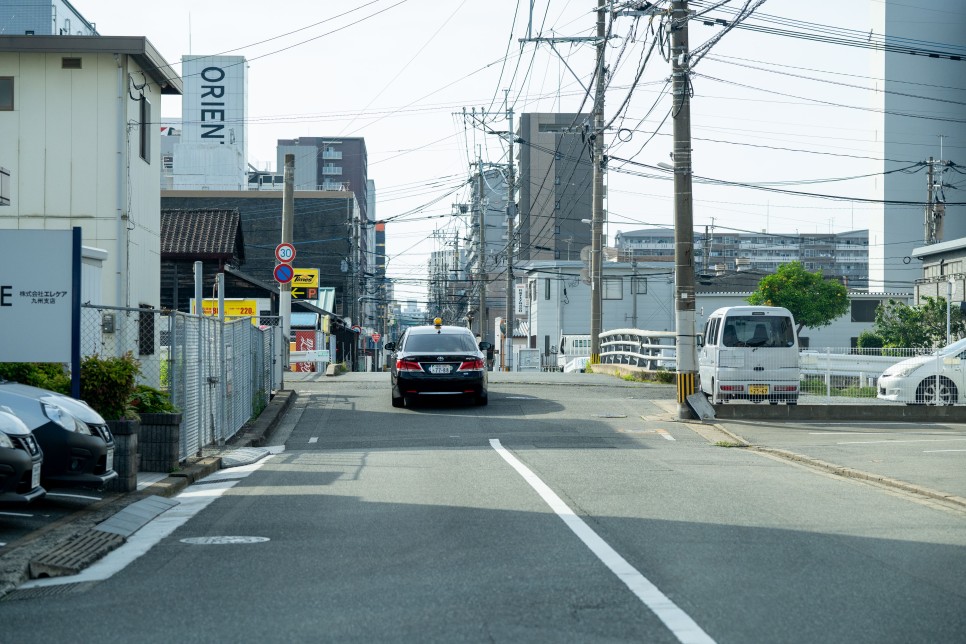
(759, 368)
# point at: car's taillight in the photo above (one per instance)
(472, 365)
(732, 387)
(407, 365)
(785, 388)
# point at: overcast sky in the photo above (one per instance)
(766, 108)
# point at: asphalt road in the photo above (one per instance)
(569, 509)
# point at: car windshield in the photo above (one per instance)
(952, 349)
(758, 331)
(432, 342)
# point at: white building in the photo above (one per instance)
(924, 97)
(81, 142)
(212, 151)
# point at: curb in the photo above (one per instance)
(254, 433)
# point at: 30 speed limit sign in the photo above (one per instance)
(285, 253)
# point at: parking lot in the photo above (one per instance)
(929, 455)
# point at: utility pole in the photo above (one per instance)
(481, 274)
(288, 226)
(597, 203)
(683, 216)
(507, 352)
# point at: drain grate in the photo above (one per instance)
(74, 554)
(48, 591)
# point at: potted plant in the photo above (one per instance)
(160, 437)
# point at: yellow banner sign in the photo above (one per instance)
(306, 278)
(233, 308)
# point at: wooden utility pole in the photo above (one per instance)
(683, 216)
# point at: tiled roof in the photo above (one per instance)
(201, 234)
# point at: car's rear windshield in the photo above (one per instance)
(431, 342)
(768, 331)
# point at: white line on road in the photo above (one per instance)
(924, 440)
(936, 451)
(15, 514)
(677, 621)
(314, 439)
(665, 434)
(190, 502)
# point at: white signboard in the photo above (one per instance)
(36, 295)
(214, 102)
(523, 302)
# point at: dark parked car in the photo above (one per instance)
(20, 461)
(438, 360)
(78, 446)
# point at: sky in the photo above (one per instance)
(766, 109)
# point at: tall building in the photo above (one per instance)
(330, 163)
(43, 18)
(921, 114)
(489, 199)
(555, 186)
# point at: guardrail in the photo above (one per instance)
(649, 350)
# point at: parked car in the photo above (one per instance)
(437, 360)
(935, 379)
(20, 461)
(78, 445)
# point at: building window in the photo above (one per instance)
(70, 63)
(613, 288)
(145, 121)
(639, 285)
(6, 93)
(546, 288)
(864, 310)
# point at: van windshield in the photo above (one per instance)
(767, 331)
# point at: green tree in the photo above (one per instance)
(814, 300)
(918, 327)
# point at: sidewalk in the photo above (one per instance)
(68, 546)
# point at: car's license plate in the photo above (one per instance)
(35, 476)
(439, 368)
(110, 460)
(758, 390)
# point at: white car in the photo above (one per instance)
(935, 379)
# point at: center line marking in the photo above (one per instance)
(924, 440)
(314, 439)
(678, 622)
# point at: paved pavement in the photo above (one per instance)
(836, 448)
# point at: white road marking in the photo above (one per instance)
(677, 621)
(73, 496)
(192, 501)
(936, 451)
(15, 514)
(847, 433)
(924, 440)
(665, 434)
(314, 439)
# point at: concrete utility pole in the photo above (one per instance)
(597, 203)
(683, 216)
(507, 350)
(288, 224)
(481, 278)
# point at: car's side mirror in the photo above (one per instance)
(485, 346)
(699, 340)
(390, 346)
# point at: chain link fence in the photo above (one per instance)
(219, 374)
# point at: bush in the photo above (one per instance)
(148, 400)
(46, 375)
(108, 385)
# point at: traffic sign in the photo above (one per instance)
(376, 337)
(284, 273)
(285, 253)
(356, 328)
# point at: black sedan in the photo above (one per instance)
(77, 443)
(438, 360)
(20, 461)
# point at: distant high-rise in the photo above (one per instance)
(330, 163)
(555, 186)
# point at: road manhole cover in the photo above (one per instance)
(217, 541)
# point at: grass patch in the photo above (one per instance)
(727, 444)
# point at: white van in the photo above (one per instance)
(750, 353)
(572, 348)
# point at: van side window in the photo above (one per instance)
(713, 331)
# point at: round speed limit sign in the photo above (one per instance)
(285, 253)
